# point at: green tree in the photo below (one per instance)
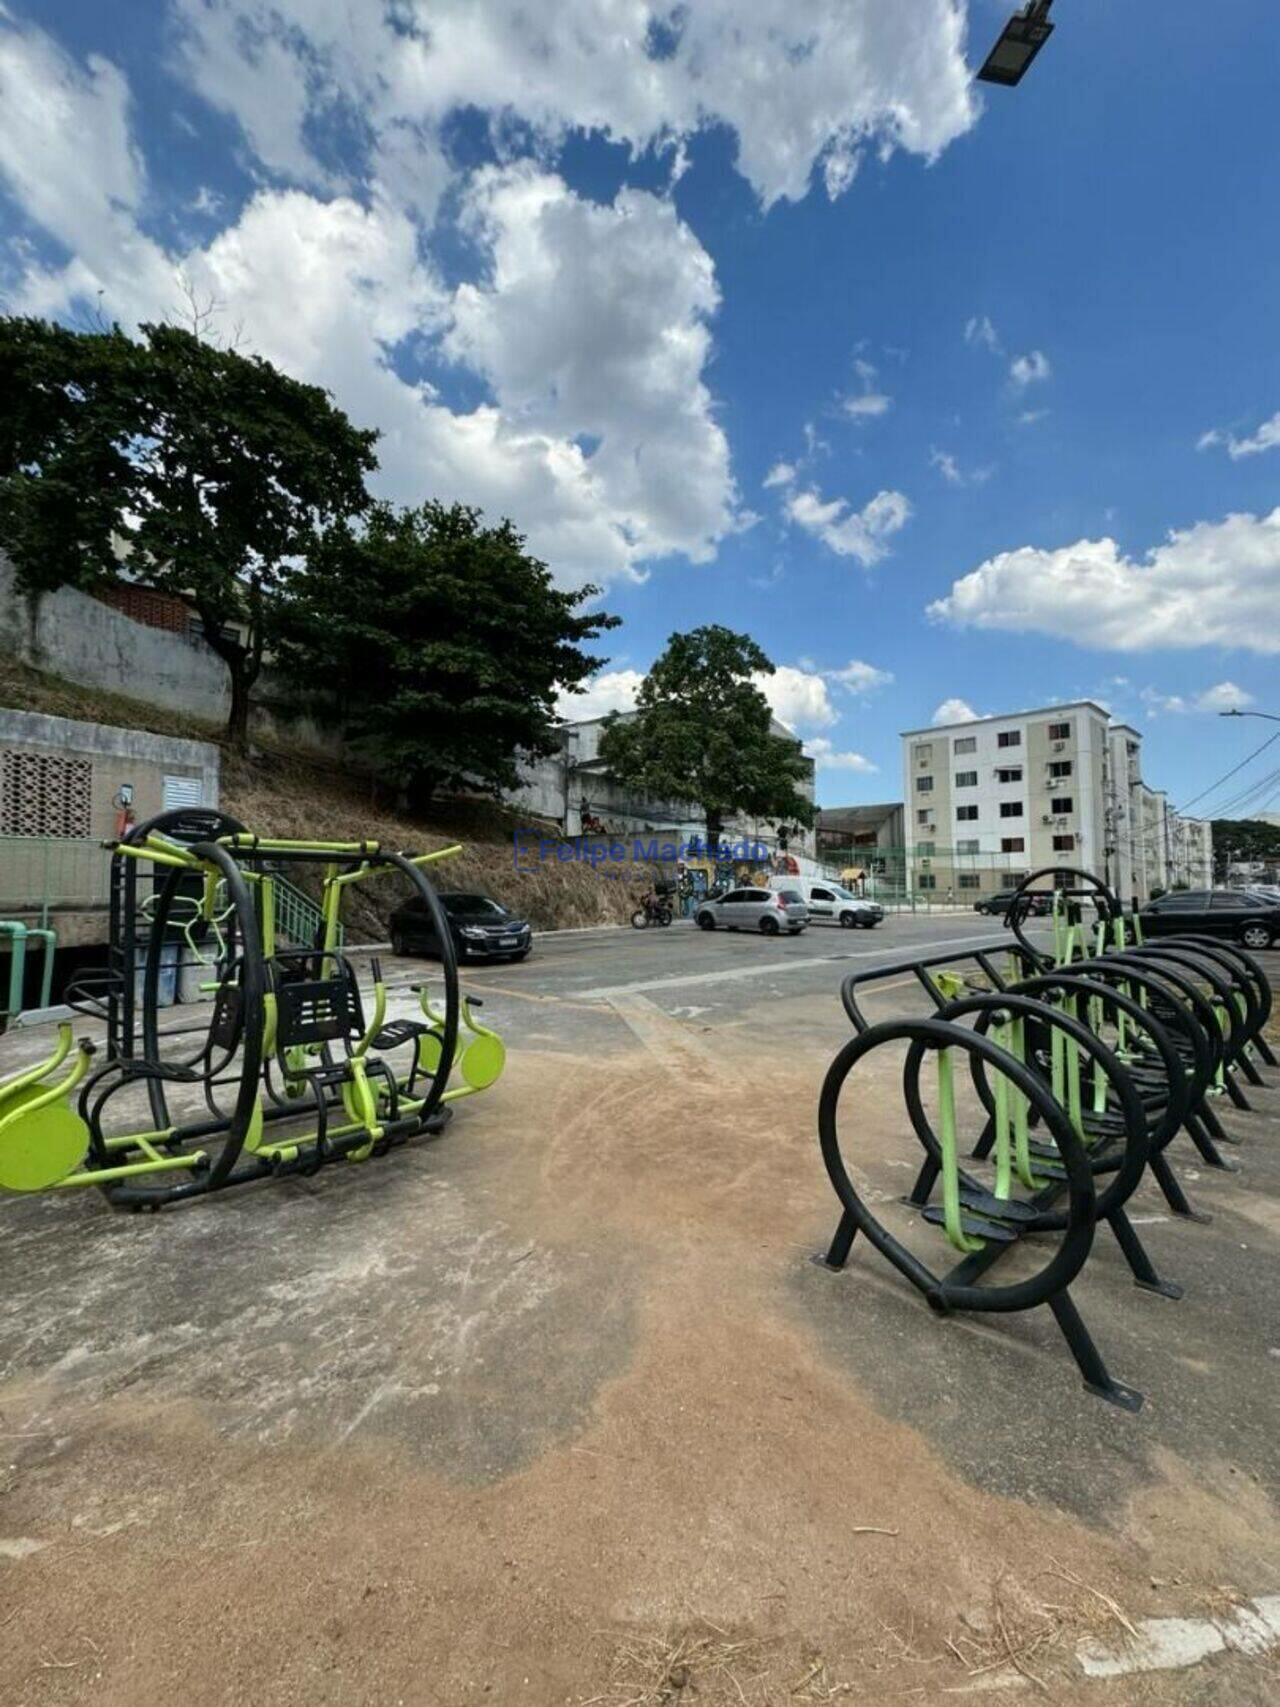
(1243, 840)
(702, 732)
(208, 470)
(444, 641)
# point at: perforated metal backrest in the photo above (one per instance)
(316, 1009)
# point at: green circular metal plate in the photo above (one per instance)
(39, 1147)
(482, 1061)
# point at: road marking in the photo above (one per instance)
(672, 1041)
(606, 992)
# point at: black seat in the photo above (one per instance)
(399, 1031)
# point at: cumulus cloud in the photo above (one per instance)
(825, 756)
(589, 325)
(860, 534)
(781, 474)
(798, 698)
(859, 677)
(1028, 369)
(955, 711)
(1223, 696)
(798, 88)
(1215, 583)
(611, 690)
(1266, 438)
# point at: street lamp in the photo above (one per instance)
(1020, 41)
(1236, 712)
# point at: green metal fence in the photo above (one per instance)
(927, 877)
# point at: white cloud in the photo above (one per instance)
(798, 698)
(1029, 417)
(825, 755)
(954, 475)
(868, 403)
(1028, 369)
(781, 474)
(865, 405)
(797, 87)
(1266, 438)
(1223, 696)
(859, 678)
(611, 690)
(860, 534)
(955, 711)
(979, 330)
(1215, 583)
(593, 321)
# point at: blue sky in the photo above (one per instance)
(763, 316)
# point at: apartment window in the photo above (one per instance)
(966, 779)
(926, 880)
(1064, 844)
(41, 795)
(967, 814)
(1011, 809)
(923, 815)
(1012, 773)
(924, 785)
(1064, 804)
(1013, 844)
(1059, 731)
(1059, 768)
(965, 744)
(1009, 738)
(969, 880)
(924, 850)
(967, 847)
(924, 752)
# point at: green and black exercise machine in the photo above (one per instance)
(292, 1071)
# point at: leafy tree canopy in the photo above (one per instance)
(210, 468)
(702, 732)
(1244, 840)
(443, 639)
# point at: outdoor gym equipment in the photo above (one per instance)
(1086, 1062)
(292, 1067)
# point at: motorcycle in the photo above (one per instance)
(651, 912)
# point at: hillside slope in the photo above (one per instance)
(285, 791)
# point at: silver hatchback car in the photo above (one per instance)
(769, 911)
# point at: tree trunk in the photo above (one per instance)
(715, 829)
(243, 665)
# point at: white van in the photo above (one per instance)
(832, 903)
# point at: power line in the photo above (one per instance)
(1214, 786)
(1239, 804)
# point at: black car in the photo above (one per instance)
(1253, 920)
(999, 904)
(483, 929)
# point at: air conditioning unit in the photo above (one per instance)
(1059, 746)
(1048, 818)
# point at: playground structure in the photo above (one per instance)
(1086, 1063)
(293, 1069)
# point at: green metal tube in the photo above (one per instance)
(17, 963)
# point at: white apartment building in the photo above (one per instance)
(991, 799)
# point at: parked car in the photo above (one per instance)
(483, 929)
(766, 910)
(826, 900)
(999, 903)
(1240, 914)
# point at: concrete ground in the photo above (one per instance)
(557, 1408)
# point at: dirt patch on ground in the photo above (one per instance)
(731, 1515)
